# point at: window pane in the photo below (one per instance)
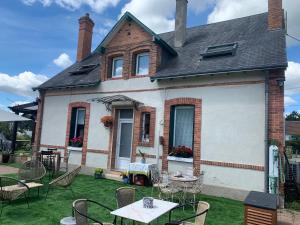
(142, 64)
(184, 126)
(126, 113)
(146, 127)
(125, 140)
(81, 116)
(117, 69)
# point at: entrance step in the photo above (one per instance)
(113, 175)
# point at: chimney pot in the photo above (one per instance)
(85, 37)
(275, 14)
(180, 22)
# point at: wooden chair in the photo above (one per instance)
(32, 170)
(65, 180)
(81, 212)
(12, 189)
(200, 215)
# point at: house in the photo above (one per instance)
(292, 130)
(208, 97)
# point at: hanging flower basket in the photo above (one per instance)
(107, 121)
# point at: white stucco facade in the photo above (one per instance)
(232, 122)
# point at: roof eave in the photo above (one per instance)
(216, 72)
(66, 86)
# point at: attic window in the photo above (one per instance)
(84, 69)
(220, 50)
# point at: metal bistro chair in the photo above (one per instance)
(12, 189)
(125, 196)
(65, 180)
(156, 179)
(200, 215)
(81, 212)
(190, 192)
(32, 170)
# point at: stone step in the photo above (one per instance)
(113, 176)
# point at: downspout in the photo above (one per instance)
(267, 132)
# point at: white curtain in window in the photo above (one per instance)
(184, 126)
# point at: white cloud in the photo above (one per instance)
(96, 5)
(156, 14)
(21, 84)
(292, 84)
(230, 9)
(288, 101)
(63, 60)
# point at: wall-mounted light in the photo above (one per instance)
(280, 81)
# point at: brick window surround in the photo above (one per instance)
(138, 123)
(197, 103)
(86, 127)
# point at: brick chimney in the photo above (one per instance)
(180, 22)
(275, 18)
(85, 37)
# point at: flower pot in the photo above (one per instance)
(5, 158)
(98, 175)
(125, 180)
(143, 160)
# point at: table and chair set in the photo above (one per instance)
(30, 176)
(165, 185)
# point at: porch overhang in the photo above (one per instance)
(116, 100)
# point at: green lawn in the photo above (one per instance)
(58, 205)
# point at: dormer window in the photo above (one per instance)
(142, 64)
(117, 67)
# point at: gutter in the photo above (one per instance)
(67, 86)
(216, 73)
(267, 133)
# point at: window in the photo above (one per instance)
(220, 50)
(77, 127)
(117, 67)
(142, 64)
(145, 128)
(182, 131)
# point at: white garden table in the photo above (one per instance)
(137, 212)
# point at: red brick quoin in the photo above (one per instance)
(86, 127)
(197, 103)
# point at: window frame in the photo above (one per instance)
(173, 131)
(113, 66)
(137, 63)
(76, 119)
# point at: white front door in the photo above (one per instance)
(124, 139)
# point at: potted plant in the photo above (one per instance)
(125, 178)
(143, 160)
(76, 142)
(5, 155)
(98, 173)
(107, 121)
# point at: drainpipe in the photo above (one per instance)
(267, 133)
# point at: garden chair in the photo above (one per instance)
(82, 217)
(125, 196)
(190, 192)
(12, 189)
(156, 179)
(200, 215)
(168, 192)
(65, 180)
(32, 170)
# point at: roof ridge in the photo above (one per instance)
(210, 24)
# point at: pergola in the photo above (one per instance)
(24, 112)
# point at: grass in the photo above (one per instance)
(58, 205)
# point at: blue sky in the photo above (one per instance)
(39, 37)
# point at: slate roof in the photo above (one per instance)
(258, 49)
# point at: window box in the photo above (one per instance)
(70, 148)
(180, 159)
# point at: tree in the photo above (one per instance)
(5, 129)
(293, 116)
